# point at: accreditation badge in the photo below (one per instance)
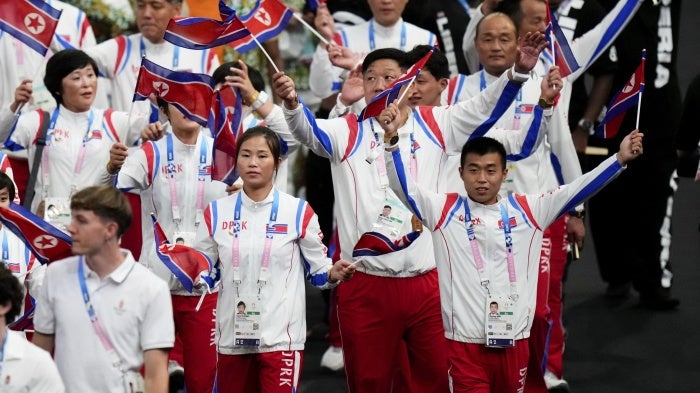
(57, 212)
(186, 238)
(246, 321)
(390, 218)
(500, 321)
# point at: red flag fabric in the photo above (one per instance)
(186, 263)
(31, 21)
(563, 56)
(191, 93)
(622, 102)
(266, 20)
(203, 33)
(45, 241)
(226, 123)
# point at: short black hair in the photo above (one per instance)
(224, 70)
(241, 303)
(482, 146)
(384, 53)
(273, 141)
(60, 65)
(6, 182)
(437, 64)
(10, 292)
(512, 8)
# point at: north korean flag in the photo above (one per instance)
(375, 243)
(31, 21)
(203, 33)
(191, 93)
(226, 123)
(45, 241)
(265, 21)
(186, 263)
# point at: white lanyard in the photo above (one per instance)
(269, 232)
(518, 100)
(202, 174)
(373, 45)
(479, 260)
(46, 164)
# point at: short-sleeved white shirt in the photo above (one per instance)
(28, 368)
(133, 306)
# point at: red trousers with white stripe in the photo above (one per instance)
(269, 372)
(392, 334)
(475, 368)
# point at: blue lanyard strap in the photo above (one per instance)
(5, 247)
(373, 45)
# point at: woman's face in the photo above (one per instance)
(256, 163)
(78, 89)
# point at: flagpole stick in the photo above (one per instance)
(639, 109)
(311, 29)
(265, 52)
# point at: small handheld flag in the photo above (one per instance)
(45, 241)
(382, 100)
(33, 22)
(191, 93)
(626, 98)
(186, 263)
(265, 21)
(562, 56)
(203, 33)
(375, 244)
(227, 126)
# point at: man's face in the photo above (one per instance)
(387, 12)
(5, 198)
(534, 16)
(482, 176)
(496, 44)
(89, 232)
(152, 17)
(426, 90)
(379, 75)
(494, 308)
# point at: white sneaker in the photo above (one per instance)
(333, 359)
(555, 384)
(176, 375)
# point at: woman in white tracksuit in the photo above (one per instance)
(267, 241)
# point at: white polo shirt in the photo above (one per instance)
(27, 368)
(132, 305)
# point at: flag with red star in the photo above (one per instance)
(191, 93)
(33, 22)
(44, 240)
(203, 33)
(265, 21)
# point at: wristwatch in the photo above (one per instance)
(586, 125)
(391, 141)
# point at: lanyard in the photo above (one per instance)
(176, 53)
(2, 350)
(479, 260)
(269, 232)
(46, 164)
(518, 100)
(373, 45)
(93, 316)
(201, 177)
(5, 248)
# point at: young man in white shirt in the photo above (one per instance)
(125, 319)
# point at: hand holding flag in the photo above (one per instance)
(626, 98)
